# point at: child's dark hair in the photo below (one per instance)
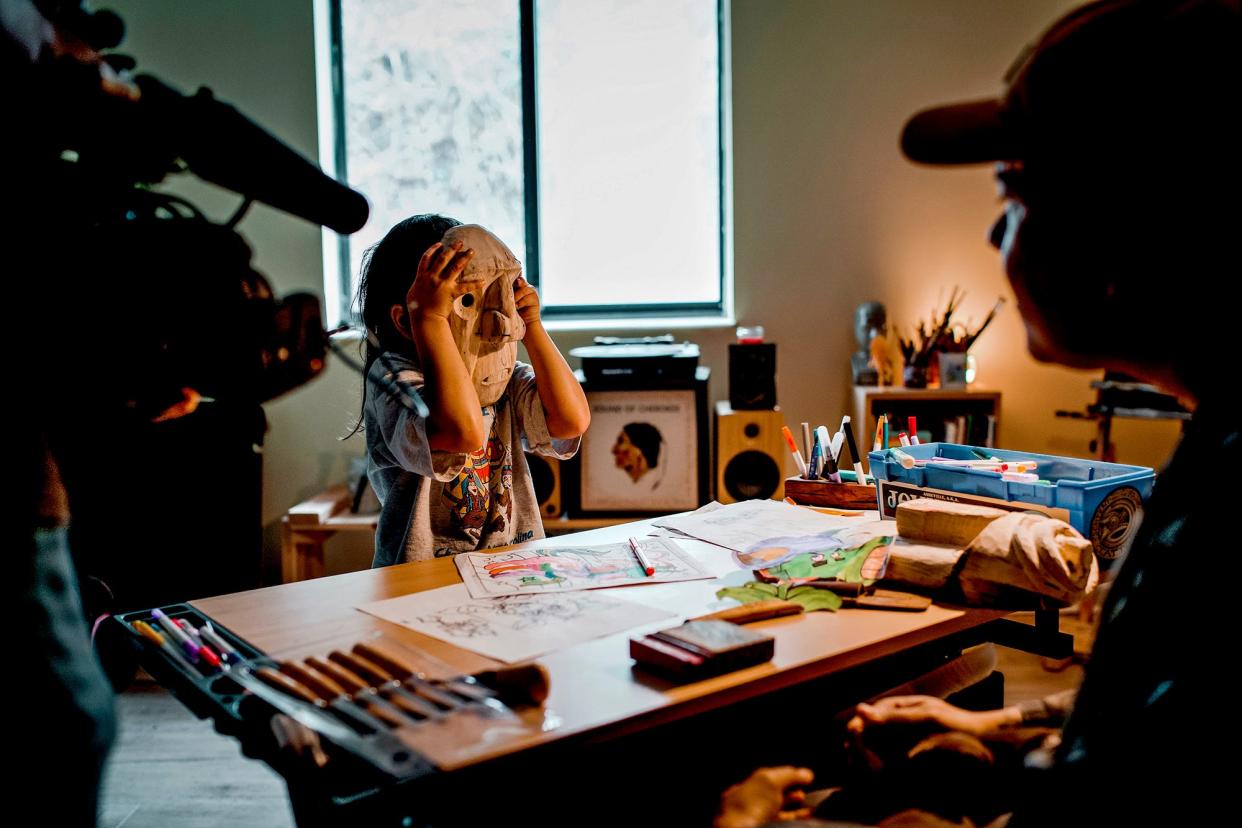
(388, 269)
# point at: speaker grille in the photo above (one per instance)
(752, 475)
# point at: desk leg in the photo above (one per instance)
(301, 553)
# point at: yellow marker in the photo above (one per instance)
(149, 632)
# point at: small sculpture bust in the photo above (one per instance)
(870, 323)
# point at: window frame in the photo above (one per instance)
(333, 154)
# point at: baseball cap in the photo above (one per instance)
(1117, 80)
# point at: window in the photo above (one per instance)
(590, 135)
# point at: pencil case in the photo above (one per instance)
(240, 713)
(1103, 501)
(378, 717)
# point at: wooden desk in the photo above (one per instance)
(595, 694)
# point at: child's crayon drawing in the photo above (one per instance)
(558, 569)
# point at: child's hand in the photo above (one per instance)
(435, 285)
(527, 302)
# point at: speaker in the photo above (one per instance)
(545, 473)
(750, 454)
(752, 376)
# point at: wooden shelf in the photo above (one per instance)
(931, 405)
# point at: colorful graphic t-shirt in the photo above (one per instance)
(437, 503)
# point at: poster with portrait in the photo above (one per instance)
(641, 453)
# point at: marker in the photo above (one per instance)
(793, 448)
(227, 651)
(187, 628)
(643, 563)
(838, 440)
(813, 465)
(879, 433)
(806, 439)
(847, 430)
(825, 441)
(204, 652)
(852, 477)
(906, 461)
(887, 439)
(150, 633)
(1020, 477)
(904, 439)
(824, 437)
(176, 634)
(830, 468)
(914, 431)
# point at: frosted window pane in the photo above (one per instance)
(433, 114)
(629, 184)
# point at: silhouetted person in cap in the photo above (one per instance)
(1117, 152)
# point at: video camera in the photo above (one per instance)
(170, 293)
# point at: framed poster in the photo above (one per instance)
(645, 450)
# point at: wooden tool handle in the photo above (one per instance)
(320, 685)
(884, 599)
(351, 682)
(286, 685)
(521, 683)
(370, 672)
(754, 611)
(386, 659)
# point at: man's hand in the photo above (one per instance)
(765, 796)
(435, 284)
(929, 710)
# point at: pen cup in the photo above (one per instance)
(915, 376)
(952, 369)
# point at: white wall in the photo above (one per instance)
(825, 206)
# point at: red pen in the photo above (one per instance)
(204, 652)
(643, 563)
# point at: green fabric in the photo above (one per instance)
(811, 598)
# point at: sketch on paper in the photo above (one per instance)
(752, 523)
(477, 620)
(567, 568)
(517, 627)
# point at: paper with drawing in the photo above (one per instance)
(765, 533)
(516, 628)
(566, 568)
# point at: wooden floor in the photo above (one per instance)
(170, 769)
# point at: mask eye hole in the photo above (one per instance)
(466, 306)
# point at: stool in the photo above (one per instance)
(306, 527)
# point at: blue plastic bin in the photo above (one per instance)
(1101, 500)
